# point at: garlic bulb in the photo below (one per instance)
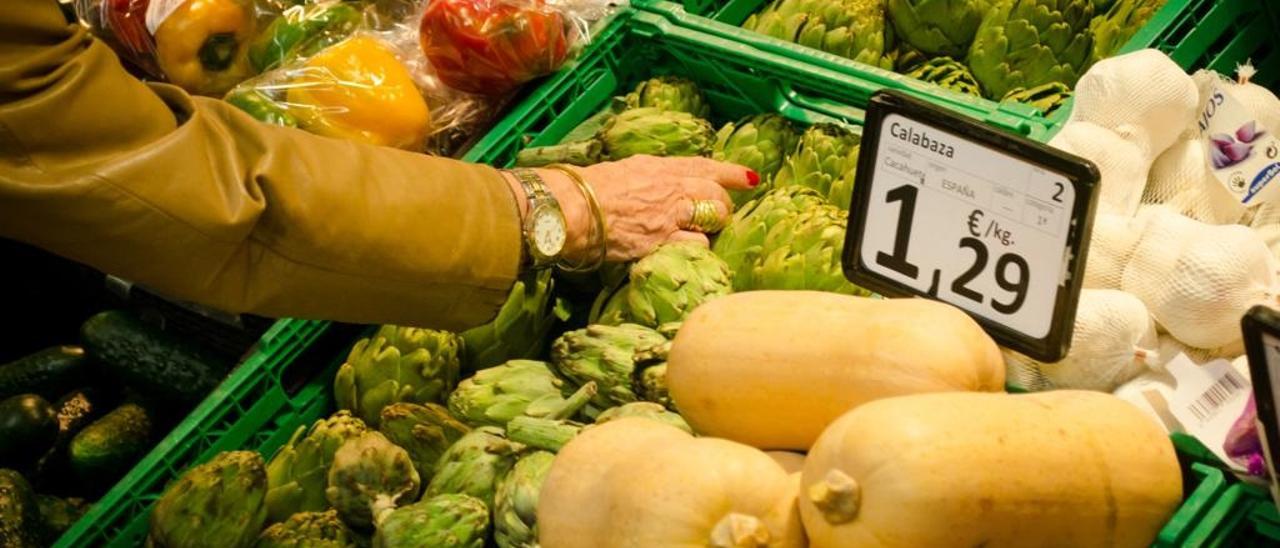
(1113, 341)
(1168, 348)
(1199, 279)
(1114, 239)
(1143, 96)
(1181, 179)
(1122, 164)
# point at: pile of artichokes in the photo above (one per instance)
(1025, 51)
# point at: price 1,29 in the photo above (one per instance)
(1012, 273)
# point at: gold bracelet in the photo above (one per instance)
(594, 205)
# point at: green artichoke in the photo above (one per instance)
(670, 93)
(787, 239)
(1027, 43)
(650, 377)
(948, 73)
(1116, 23)
(370, 475)
(452, 520)
(761, 142)
(826, 161)
(906, 58)
(545, 434)
(937, 27)
(474, 464)
(603, 354)
(59, 514)
(496, 395)
(668, 284)
(521, 327)
(309, 530)
(648, 410)
(1048, 98)
(298, 474)
(515, 510)
(397, 364)
(20, 523)
(219, 503)
(424, 431)
(647, 130)
(854, 29)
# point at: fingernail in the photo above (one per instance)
(753, 178)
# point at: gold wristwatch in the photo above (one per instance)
(545, 231)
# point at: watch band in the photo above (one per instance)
(539, 197)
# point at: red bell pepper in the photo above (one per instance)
(126, 21)
(490, 47)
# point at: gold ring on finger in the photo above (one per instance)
(706, 217)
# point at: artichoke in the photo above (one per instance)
(650, 377)
(1047, 98)
(298, 474)
(20, 523)
(1027, 43)
(515, 510)
(947, 73)
(787, 239)
(670, 93)
(854, 29)
(826, 161)
(761, 142)
(397, 364)
(59, 514)
(453, 520)
(309, 530)
(496, 395)
(424, 431)
(1116, 23)
(218, 503)
(474, 464)
(937, 27)
(521, 327)
(603, 354)
(648, 410)
(647, 130)
(668, 284)
(370, 475)
(545, 434)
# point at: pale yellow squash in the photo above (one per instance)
(1065, 468)
(773, 368)
(635, 482)
(789, 461)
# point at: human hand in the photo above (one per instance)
(646, 201)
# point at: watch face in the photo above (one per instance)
(548, 232)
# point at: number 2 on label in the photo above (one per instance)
(897, 259)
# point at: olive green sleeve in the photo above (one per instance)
(197, 200)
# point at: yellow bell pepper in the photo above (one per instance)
(202, 45)
(357, 89)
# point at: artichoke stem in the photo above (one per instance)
(582, 153)
(546, 434)
(837, 496)
(381, 507)
(739, 531)
(574, 403)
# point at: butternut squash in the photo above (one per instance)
(635, 482)
(1064, 468)
(773, 368)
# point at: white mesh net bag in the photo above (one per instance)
(1168, 348)
(1143, 96)
(1111, 246)
(1198, 279)
(1122, 164)
(1113, 341)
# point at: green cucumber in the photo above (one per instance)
(20, 523)
(106, 449)
(49, 372)
(156, 364)
(28, 429)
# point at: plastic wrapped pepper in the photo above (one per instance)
(302, 31)
(491, 46)
(202, 44)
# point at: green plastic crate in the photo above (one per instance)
(1243, 515)
(1209, 484)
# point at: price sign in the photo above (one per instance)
(1262, 345)
(951, 209)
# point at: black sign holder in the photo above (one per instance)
(1082, 174)
(1259, 323)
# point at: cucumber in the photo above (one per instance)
(156, 364)
(49, 372)
(102, 452)
(28, 429)
(20, 523)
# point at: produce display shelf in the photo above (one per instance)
(246, 398)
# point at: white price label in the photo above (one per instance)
(963, 221)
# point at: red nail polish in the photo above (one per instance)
(753, 178)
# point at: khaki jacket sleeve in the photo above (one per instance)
(193, 198)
